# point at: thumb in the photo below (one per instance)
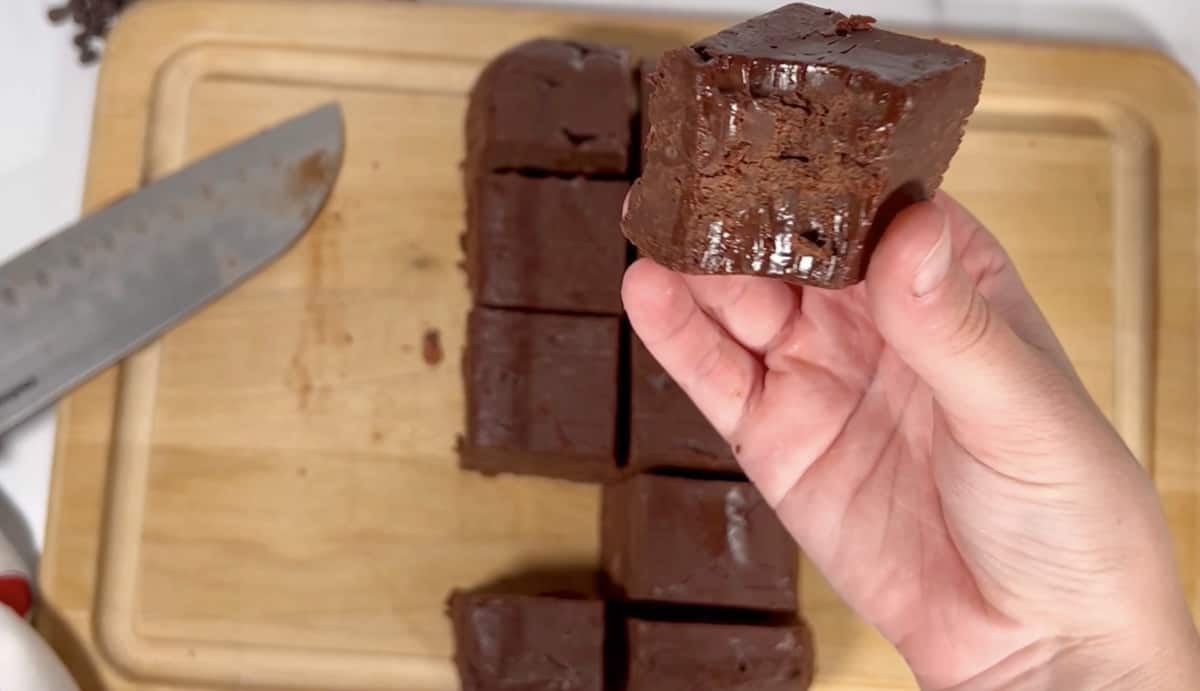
(931, 310)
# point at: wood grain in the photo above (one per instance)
(268, 496)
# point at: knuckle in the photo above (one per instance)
(734, 297)
(676, 330)
(725, 307)
(708, 362)
(972, 326)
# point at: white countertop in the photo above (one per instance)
(44, 125)
(47, 104)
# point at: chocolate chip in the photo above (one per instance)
(94, 18)
(431, 347)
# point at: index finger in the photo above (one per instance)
(717, 373)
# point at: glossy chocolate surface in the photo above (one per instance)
(697, 542)
(541, 394)
(782, 146)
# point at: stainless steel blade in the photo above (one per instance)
(98, 290)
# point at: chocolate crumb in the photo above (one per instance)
(855, 22)
(431, 347)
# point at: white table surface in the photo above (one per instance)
(47, 104)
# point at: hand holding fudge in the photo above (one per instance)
(925, 439)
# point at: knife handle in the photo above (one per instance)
(15, 591)
(27, 663)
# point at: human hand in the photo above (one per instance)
(927, 442)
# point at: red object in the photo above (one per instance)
(16, 593)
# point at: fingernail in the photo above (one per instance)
(625, 207)
(934, 267)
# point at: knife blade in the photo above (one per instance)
(96, 291)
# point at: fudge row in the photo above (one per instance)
(549, 140)
(550, 383)
(521, 642)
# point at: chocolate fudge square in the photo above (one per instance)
(784, 145)
(679, 541)
(555, 106)
(692, 656)
(547, 244)
(645, 69)
(541, 394)
(520, 643)
(666, 430)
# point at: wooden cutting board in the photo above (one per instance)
(268, 496)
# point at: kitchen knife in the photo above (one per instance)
(95, 292)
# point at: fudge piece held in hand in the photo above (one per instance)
(541, 394)
(666, 431)
(554, 106)
(783, 146)
(697, 542)
(646, 68)
(511, 643)
(693, 656)
(547, 244)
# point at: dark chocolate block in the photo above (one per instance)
(782, 146)
(541, 394)
(547, 244)
(696, 542)
(645, 85)
(554, 106)
(518, 643)
(689, 656)
(666, 430)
